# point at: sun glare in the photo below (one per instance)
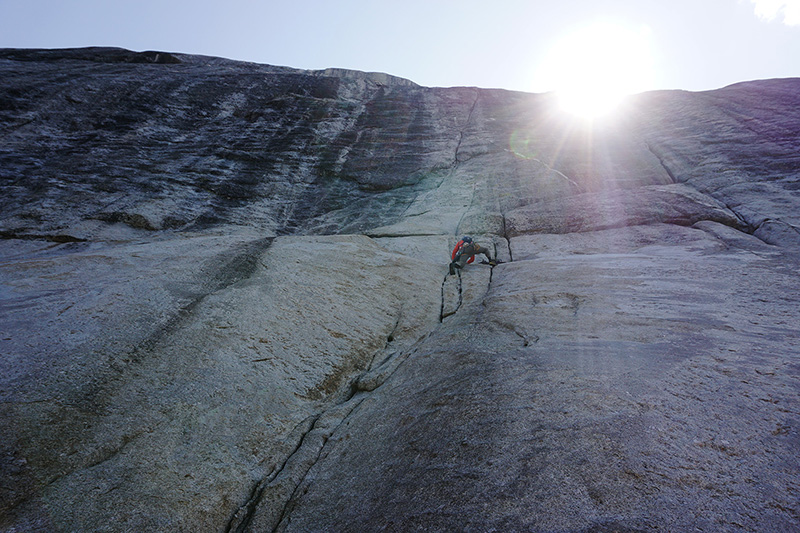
(593, 68)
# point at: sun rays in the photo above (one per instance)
(595, 66)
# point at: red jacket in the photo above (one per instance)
(457, 249)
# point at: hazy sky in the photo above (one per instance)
(682, 44)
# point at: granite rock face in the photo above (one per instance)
(225, 303)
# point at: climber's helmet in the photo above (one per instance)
(467, 239)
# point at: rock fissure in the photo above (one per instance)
(460, 291)
(443, 299)
(456, 160)
(389, 340)
(746, 225)
(240, 521)
(445, 312)
(392, 235)
(508, 242)
(320, 441)
(661, 162)
(287, 507)
(558, 173)
(491, 268)
(285, 483)
(374, 378)
(57, 238)
(339, 415)
(241, 518)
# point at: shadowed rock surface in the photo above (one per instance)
(225, 305)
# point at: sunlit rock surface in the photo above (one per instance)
(226, 304)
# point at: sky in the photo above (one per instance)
(530, 46)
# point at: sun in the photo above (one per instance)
(595, 66)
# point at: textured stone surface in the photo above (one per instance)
(224, 303)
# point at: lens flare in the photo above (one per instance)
(593, 68)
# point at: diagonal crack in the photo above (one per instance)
(662, 163)
(314, 441)
(311, 450)
(284, 483)
(273, 498)
(243, 516)
(551, 169)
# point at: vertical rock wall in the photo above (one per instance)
(226, 306)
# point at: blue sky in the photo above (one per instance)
(691, 44)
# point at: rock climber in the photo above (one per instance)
(465, 252)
